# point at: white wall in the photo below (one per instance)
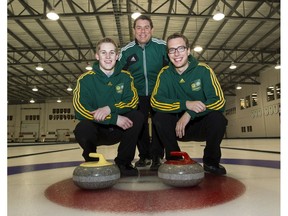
(61, 122)
(264, 118)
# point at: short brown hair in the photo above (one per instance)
(106, 40)
(143, 17)
(178, 35)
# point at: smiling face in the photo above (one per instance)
(178, 54)
(143, 31)
(107, 57)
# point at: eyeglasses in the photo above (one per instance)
(180, 49)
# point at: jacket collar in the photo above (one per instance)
(193, 62)
(147, 44)
(117, 69)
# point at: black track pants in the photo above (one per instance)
(209, 128)
(90, 134)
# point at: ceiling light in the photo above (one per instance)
(135, 15)
(232, 66)
(39, 67)
(198, 48)
(59, 100)
(238, 87)
(35, 89)
(277, 66)
(52, 15)
(88, 67)
(69, 88)
(32, 100)
(218, 15)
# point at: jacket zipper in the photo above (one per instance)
(145, 71)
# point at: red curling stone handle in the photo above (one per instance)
(186, 160)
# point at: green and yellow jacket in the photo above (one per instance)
(197, 83)
(144, 63)
(95, 89)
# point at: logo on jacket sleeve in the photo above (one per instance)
(119, 88)
(196, 85)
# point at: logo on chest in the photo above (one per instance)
(132, 59)
(119, 88)
(196, 85)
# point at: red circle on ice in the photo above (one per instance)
(213, 190)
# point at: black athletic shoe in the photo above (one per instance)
(143, 162)
(127, 170)
(217, 170)
(156, 163)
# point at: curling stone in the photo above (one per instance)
(96, 174)
(181, 173)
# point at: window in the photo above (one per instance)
(270, 93)
(242, 103)
(277, 87)
(254, 99)
(247, 102)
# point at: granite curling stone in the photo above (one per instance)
(96, 174)
(181, 173)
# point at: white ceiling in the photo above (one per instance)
(249, 35)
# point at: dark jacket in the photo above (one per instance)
(197, 83)
(95, 89)
(144, 63)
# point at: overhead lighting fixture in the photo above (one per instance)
(238, 87)
(278, 66)
(88, 67)
(39, 67)
(69, 88)
(52, 15)
(135, 15)
(32, 100)
(59, 100)
(35, 89)
(232, 66)
(198, 49)
(218, 15)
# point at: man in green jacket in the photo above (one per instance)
(144, 57)
(105, 101)
(189, 102)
